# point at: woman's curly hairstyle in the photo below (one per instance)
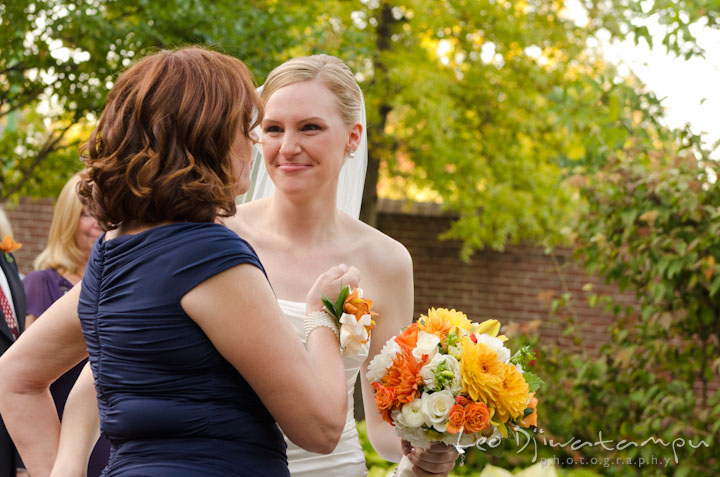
(161, 150)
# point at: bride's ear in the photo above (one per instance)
(356, 132)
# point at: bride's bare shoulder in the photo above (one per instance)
(380, 250)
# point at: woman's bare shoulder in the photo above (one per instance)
(382, 252)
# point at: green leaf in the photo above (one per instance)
(330, 306)
(523, 356)
(339, 304)
(715, 286)
(534, 382)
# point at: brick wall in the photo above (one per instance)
(30, 220)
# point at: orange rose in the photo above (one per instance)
(456, 419)
(462, 400)
(384, 396)
(477, 417)
(530, 420)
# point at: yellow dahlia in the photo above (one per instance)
(481, 371)
(440, 321)
(512, 399)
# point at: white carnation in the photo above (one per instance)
(496, 345)
(382, 361)
(417, 436)
(412, 415)
(427, 343)
(428, 373)
(437, 407)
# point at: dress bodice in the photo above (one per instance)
(347, 460)
(168, 401)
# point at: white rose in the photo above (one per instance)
(411, 414)
(382, 361)
(437, 407)
(496, 345)
(427, 343)
(428, 372)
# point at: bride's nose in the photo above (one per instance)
(290, 144)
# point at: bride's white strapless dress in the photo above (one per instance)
(347, 460)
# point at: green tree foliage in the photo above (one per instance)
(650, 225)
(629, 18)
(486, 103)
(458, 96)
(58, 59)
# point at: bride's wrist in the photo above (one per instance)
(317, 319)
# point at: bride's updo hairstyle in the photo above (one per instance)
(161, 150)
(335, 74)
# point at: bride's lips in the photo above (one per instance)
(293, 167)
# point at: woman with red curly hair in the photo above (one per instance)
(193, 361)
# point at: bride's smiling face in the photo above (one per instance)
(304, 138)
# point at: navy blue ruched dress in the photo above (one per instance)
(169, 403)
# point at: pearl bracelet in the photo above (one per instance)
(320, 318)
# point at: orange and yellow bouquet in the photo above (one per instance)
(447, 379)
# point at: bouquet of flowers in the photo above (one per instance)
(355, 318)
(447, 379)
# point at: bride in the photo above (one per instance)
(305, 217)
(300, 216)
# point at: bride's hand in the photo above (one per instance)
(438, 460)
(330, 283)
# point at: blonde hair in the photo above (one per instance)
(62, 253)
(335, 74)
(5, 227)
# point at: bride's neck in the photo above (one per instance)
(311, 221)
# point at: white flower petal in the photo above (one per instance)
(348, 319)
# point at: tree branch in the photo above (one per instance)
(48, 147)
(32, 95)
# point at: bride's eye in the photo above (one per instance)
(272, 129)
(311, 127)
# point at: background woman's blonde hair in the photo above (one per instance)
(335, 74)
(5, 227)
(62, 253)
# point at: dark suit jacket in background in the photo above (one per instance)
(8, 461)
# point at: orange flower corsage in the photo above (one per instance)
(355, 316)
(8, 246)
